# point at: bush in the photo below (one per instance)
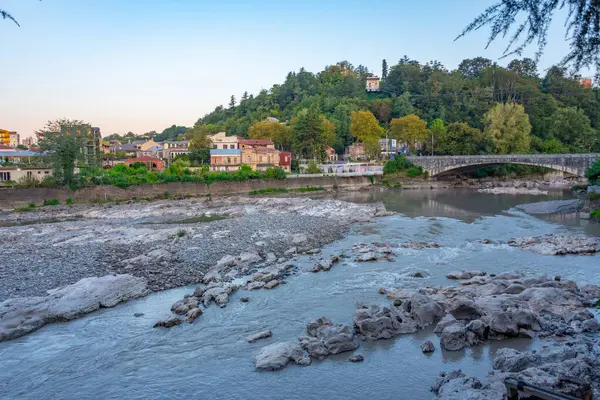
(594, 196)
(52, 202)
(30, 207)
(275, 173)
(69, 201)
(267, 191)
(414, 172)
(595, 214)
(313, 168)
(593, 170)
(309, 189)
(400, 163)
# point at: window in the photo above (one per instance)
(39, 172)
(214, 146)
(4, 176)
(249, 159)
(46, 172)
(224, 146)
(232, 146)
(268, 159)
(228, 160)
(29, 174)
(260, 159)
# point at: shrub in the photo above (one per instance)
(181, 233)
(398, 164)
(313, 168)
(52, 202)
(69, 201)
(267, 191)
(593, 170)
(30, 207)
(414, 172)
(275, 173)
(309, 189)
(595, 214)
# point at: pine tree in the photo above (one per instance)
(232, 102)
(245, 96)
(384, 70)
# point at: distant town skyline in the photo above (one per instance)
(146, 65)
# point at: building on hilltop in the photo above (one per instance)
(9, 138)
(331, 154)
(586, 82)
(256, 143)
(373, 84)
(174, 149)
(356, 151)
(260, 158)
(28, 142)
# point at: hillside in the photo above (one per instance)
(564, 115)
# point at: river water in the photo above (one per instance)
(111, 354)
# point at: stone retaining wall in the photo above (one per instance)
(13, 198)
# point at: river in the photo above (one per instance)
(111, 354)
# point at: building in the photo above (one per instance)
(151, 163)
(29, 141)
(373, 84)
(154, 152)
(225, 159)
(285, 161)
(586, 82)
(93, 143)
(331, 154)
(174, 149)
(356, 151)
(222, 141)
(256, 143)
(16, 174)
(9, 138)
(260, 158)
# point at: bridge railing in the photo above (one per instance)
(492, 156)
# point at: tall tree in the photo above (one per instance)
(572, 127)
(474, 67)
(459, 138)
(364, 127)
(410, 129)
(508, 126)
(232, 101)
(384, 70)
(583, 27)
(526, 67)
(312, 134)
(279, 133)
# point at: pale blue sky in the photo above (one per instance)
(141, 65)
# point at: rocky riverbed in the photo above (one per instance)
(161, 242)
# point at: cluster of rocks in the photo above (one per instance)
(420, 245)
(323, 339)
(373, 252)
(24, 315)
(483, 307)
(552, 207)
(558, 245)
(325, 264)
(570, 367)
(514, 190)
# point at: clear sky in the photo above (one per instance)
(142, 65)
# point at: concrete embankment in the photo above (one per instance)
(14, 198)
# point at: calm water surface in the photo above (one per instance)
(112, 355)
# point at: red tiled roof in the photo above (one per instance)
(142, 159)
(257, 142)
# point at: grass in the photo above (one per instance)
(30, 207)
(52, 202)
(596, 304)
(267, 191)
(309, 189)
(69, 201)
(595, 214)
(181, 233)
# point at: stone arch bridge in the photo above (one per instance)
(574, 164)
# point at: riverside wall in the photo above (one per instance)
(14, 198)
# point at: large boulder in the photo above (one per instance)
(423, 309)
(374, 322)
(24, 315)
(454, 337)
(278, 355)
(326, 338)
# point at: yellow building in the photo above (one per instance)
(260, 158)
(6, 136)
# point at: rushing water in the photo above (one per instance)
(111, 354)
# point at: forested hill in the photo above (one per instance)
(564, 115)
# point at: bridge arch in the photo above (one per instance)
(574, 164)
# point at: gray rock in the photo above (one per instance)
(299, 238)
(365, 257)
(463, 275)
(260, 335)
(193, 313)
(278, 355)
(444, 322)
(290, 251)
(244, 299)
(249, 257)
(427, 347)
(454, 337)
(138, 314)
(356, 358)
(552, 207)
(502, 324)
(423, 309)
(24, 315)
(271, 284)
(255, 285)
(169, 322)
(374, 322)
(515, 288)
(326, 338)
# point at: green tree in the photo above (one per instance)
(458, 138)
(232, 101)
(438, 130)
(312, 134)
(384, 70)
(170, 134)
(474, 67)
(410, 129)
(571, 126)
(508, 126)
(64, 151)
(583, 29)
(364, 127)
(279, 133)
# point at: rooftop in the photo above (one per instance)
(257, 142)
(144, 159)
(223, 152)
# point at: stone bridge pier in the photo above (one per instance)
(574, 164)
